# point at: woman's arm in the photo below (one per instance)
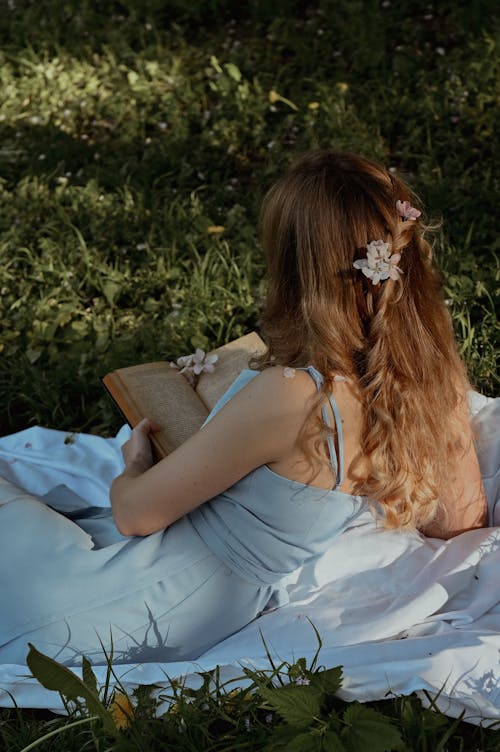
(257, 426)
(464, 501)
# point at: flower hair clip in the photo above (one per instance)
(379, 264)
(407, 211)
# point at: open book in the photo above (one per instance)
(159, 392)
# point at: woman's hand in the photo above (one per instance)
(137, 452)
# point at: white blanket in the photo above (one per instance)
(399, 612)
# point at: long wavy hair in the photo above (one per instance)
(394, 339)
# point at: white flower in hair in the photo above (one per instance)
(379, 263)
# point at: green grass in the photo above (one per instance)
(290, 707)
(128, 130)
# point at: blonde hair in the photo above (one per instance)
(395, 339)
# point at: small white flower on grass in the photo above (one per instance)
(302, 681)
(379, 263)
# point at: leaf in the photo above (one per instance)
(285, 738)
(277, 671)
(297, 669)
(233, 71)
(215, 64)
(332, 742)
(367, 729)
(328, 681)
(303, 743)
(88, 676)
(132, 77)
(320, 645)
(110, 290)
(33, 353)
(299, 706)
(55, 676)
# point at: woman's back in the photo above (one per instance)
(352, 289)
(350, 410)
(464, 501)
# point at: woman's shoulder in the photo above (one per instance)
(281, 387)
(273, 390)
(277, 396)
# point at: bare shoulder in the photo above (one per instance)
(281, 390)
(279, 377)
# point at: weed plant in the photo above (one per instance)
(290, 707)
(136, 142)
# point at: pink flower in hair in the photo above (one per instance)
(379, 264)
(407, 211)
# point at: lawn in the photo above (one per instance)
(137, 140)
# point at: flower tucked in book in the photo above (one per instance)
(192, 366)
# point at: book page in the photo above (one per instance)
(233, 358)
(162, 394)
(157, 391)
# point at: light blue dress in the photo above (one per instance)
(69, 581)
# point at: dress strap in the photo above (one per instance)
(337, 463)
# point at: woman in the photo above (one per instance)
(360, 400)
